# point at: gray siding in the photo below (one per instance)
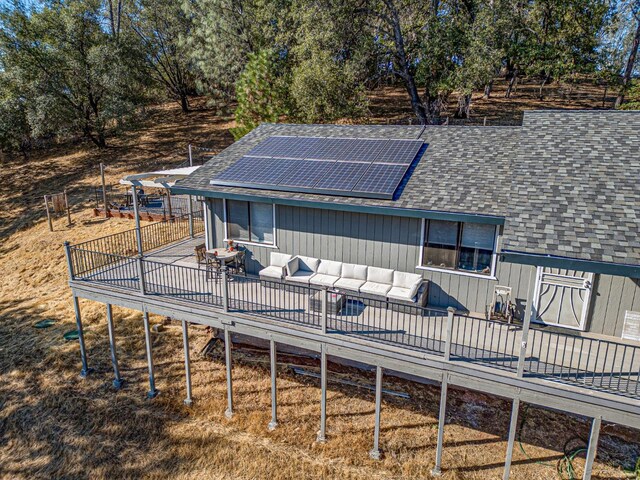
(394, 242)
(611, 298)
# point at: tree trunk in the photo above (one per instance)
(464, 106)
(512, 83)
(544, 82)
(184, 103)
(631, 61)
(488, 89)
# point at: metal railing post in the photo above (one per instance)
(141, 274)
(325, 308)
(67, 251)
(529, 313)
(447, 344)
(134, 198)
(190, 210)
(225, 289)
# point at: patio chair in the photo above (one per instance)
(200, 251)
(237, 265)
(214, 267)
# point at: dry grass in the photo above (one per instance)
(55, 425)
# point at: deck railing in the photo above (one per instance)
(604, 365)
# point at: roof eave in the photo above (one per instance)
(346, 207)
(553, 261)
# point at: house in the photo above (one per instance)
(459, 222)
(558, 197)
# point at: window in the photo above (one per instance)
(461, 246)
(250, 222)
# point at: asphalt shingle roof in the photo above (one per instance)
(567, 183)
(463, 170)
(576, 184)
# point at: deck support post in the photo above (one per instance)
(153, 391)
(83, 351)
(136, 213)
(593, 447)
(513, 426)
(187, 365)
(117, 381)
(274, 373)
(447, 345)
(322, 433)
(437, 469)
(227, 356)
(375, 451)
(526, 322)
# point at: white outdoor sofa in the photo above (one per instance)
(370, 283)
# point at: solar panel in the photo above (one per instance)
(285, 147)
(342, 176)
(307, 173)
(381, 178)
(399, 151)
(356, 167)
(255, 171)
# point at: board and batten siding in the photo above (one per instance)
(394, 242)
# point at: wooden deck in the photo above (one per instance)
(173, 273)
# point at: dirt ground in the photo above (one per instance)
(55, 425)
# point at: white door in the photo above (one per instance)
(562, 297)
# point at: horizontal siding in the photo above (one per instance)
(394, 242)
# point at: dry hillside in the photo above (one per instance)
(55, 425)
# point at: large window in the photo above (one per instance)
(250, 222)
(461, 246)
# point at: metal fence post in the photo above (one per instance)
(225, 289)
(104, 191)
(325, 308)
(447, 344)
(140, 264)
(67, 251)
(529, 313)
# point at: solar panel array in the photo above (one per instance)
(341, 166)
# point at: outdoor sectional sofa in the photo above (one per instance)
(371, 283)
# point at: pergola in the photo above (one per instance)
(157, 179)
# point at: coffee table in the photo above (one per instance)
(335, 301)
